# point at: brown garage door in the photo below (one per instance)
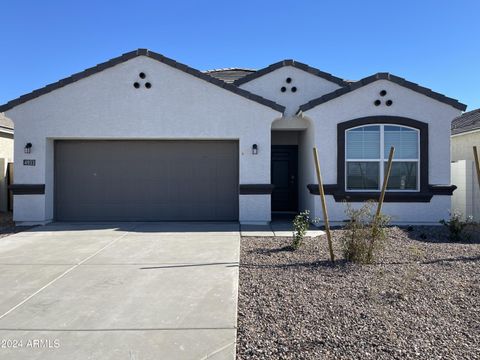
(146, 180)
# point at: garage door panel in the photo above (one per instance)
(146, 180)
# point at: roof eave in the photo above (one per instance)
(289, 62)
(382, 76)
(130, 55)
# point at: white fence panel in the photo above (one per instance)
(466, 198)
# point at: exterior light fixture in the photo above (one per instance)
(28, 148)
(254, 149)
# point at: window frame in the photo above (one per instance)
(382, 159)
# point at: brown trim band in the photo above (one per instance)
(391, 196)
(27, 189)
(256, 189)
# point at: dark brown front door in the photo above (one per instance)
(284, 172)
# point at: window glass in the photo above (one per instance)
(363, 175)
(363, 143)
(404, 140)
(365, 160)
(403, 175)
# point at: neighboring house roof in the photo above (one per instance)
(468, 121)
(6, 125)
(382, 76)
(294, 64)
(229, 75)
(130, 55)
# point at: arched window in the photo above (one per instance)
(366, 155)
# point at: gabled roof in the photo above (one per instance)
(294, 64)
(382, 76)
(229, 75)
(468, 121)
(130, 55)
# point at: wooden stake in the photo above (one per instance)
(477, 163)
(385, 183)
(324, 205)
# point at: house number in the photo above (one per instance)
(29, 162)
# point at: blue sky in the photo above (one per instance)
(433, 43)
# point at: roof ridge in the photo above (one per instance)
(382, 76)
(230, 68)
(130, 55)
(294, 63)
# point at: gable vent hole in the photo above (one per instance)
(377, 102)
(283, 89)
(389, 102)
(383, 92)
(142, 75)
(288, 80)
(148, 85)
(294, 89)
(136, 85)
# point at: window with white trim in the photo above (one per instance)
(366, 155)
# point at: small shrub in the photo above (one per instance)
(364, 235)
(301, 223)
(456, 226)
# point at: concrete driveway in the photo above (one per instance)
(120, 291)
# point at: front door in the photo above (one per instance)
(284, 172)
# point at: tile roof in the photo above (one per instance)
(295, 64)
(468, 121)
(130, 55)
(229, 75)
(383, 76)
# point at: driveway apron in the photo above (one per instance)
(120, 291)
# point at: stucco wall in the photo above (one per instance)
(406, 103)
(462, 145)
(6, 156)
(308, 87)
(106, 105)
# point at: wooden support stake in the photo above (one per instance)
(477, 163)
(385, 183)
(324, 205)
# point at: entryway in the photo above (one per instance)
(284, 173)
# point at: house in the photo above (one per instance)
(466, 135)
(142, 137)
(6, 156)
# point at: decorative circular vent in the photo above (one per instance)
(377, 102)
(288, 80)
(137, 84)
(383, 92)
(389, 102)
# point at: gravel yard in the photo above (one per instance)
(420, 301)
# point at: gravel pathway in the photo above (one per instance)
(420, 301)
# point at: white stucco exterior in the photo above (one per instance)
(107, 106)
(179, 105)
(406, 103)
(308, 86)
